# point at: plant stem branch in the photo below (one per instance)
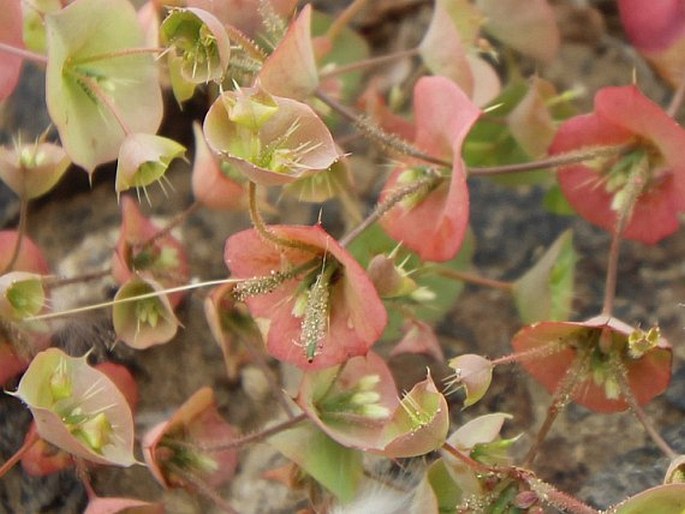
(476, 466)
(54, 283)
(621, 374)
(175, 221)
(266, 232)
(107, 101)
(23, 53)
(9, 463)
(372, 130)
(123, 52)
(343, 19)
(257, 436)
(154, 294)
(368, 63)
(472, 278)
(21, 231)
(562, 396)
(551, 162)
(631, 192)
(552, 496)
(426, 183)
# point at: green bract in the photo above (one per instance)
(143, 159)
(271, 140)
(78, 409)
(95, 70)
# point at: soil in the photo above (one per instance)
(600, 458)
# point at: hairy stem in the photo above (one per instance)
(256, 436)
(631, 192)
(9, 463)
(425, 184)
(562, 396)
(555, 498)
(368, 63)
(266, 233)
(95, 88)
(176, 220)
(551, 162)
(122, 52)
(373, 131)
(471, 278)
(23, 53)
(621, 375)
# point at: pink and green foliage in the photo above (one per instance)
(212, 186)
(31, 170)
(315, 305)
(657, 30)
(652, 145)
(269, 139)
(141, 250)
(290, 71)
(143, 315)
(449, 48)
(605, 357)
(358, 407)
(78, 408)
(173, 450)
(11, 34)
(444, 116)
(244, 15)
(43, 458)
(367, 259)
(93, 85)
(16, 349)
(143, 159)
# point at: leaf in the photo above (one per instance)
(144, 159)
(337, 468)
(211, 186)
(82, 71)
(530, 122)
(528, 26)
(32, 170)
(472, 372)
(78, 409)
(199, 42)
(145, 322)
(663, 499)
(10, 34)
(21, 295)
(434, 296)
(545, 292)
(180, 447)
(419, 425)
(290, 71)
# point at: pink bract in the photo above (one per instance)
(356, 316)
(648, 375)
(196, 423)
(435, 227)
(624, 116)
(10, 34)
(164, 258)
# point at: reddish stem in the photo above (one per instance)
(9, 463)
(368, 63)
(473, 279)
(23, 53)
